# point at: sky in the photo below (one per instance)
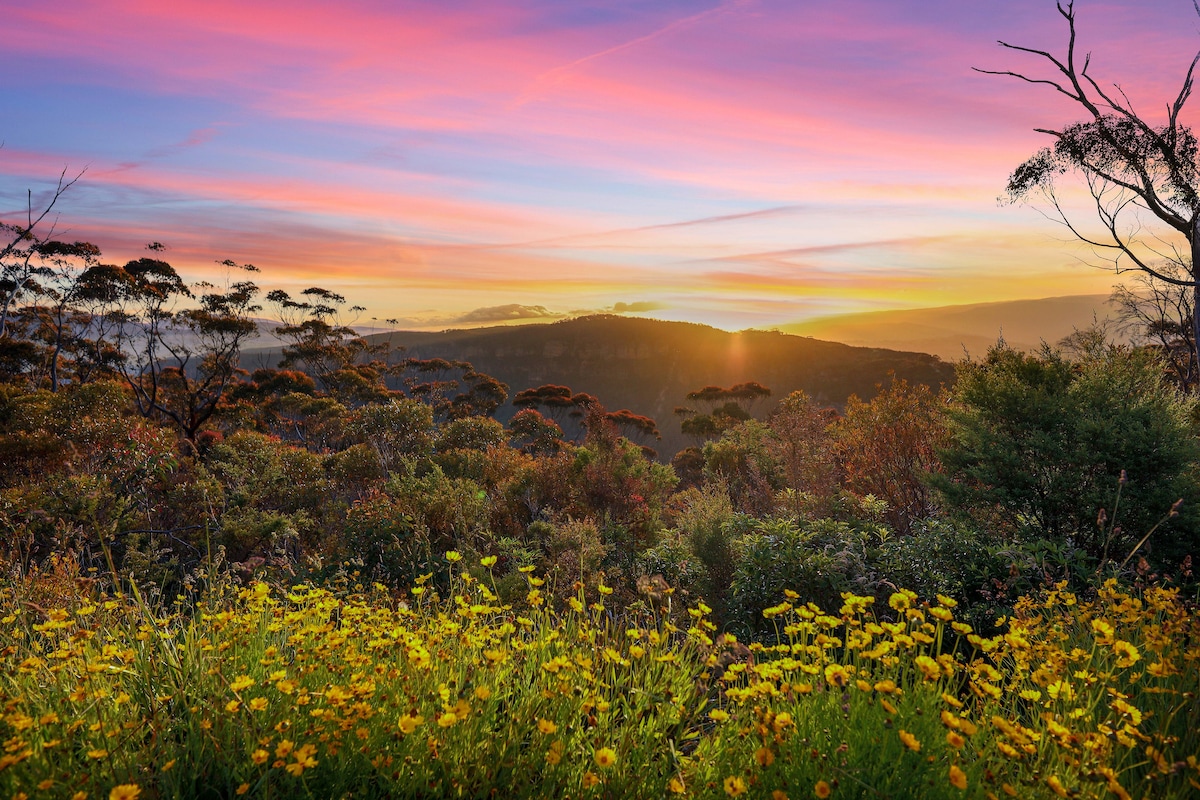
(744, 163)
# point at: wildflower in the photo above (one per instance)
(836, 675)
(482, 693)
(97, 754)
(409, 722)
(717, 715)
(546, 726)
(779, 794)
(958, 778)
(1127, 654)
(888, 707)
(1103, 630)
(1056, 786)
(782, 721)
(453, 555)
(764, 756)
(887, 687)
(605, 757)
(676, 786)
(910, 741)
(488, 561)
(241, 683)
(258, 704)
(902, 600)
(929, 668)
(734, 786)
(590, 779)
(259, 757)
(554, 754)
(447, 720)
(125, 791)
(955, 740)
(822, 790)
(284, 748)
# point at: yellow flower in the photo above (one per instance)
(837, 675)
(258, 704)
(97, 754)
(822, 790)
(448, 719)
(241, 683)
(482, 693)
(910, 741)
(928, 667)
(1104, 631)
(453, 556)
(901, 600)
(547, 727)
(779, 794)
(554, 754)
(734, 786)
(284, 748)
(958, 778)
(125, 791)
(232, 706)
(955, 740)
(764, 756)
(1127, 654)
(606, 757)
(888, 707)
(259, 757)
(1056, 786)
(676, 786)
(590, 779)
(409, 722)
(717, 715)
(488, 561)
(242, 789)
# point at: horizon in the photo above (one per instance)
(744, 164)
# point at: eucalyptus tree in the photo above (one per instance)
(1139, 170)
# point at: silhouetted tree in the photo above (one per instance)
(1136, 170)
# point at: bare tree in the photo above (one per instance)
(1159, 315)
(1140, 173)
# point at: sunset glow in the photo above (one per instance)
(740, 163)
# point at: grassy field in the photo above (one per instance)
(304, 692)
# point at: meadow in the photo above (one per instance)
(354, 691)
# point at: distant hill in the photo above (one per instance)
(947, 330)
(648, 366)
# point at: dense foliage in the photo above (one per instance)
(267, 569)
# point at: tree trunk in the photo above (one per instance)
(1194, 365)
